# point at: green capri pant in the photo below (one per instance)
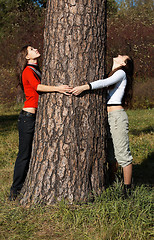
(118, 144)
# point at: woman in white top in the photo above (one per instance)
(119, 85)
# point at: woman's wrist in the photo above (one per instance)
(86, 87)
(90, 87)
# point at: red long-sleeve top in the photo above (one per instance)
(30, 82)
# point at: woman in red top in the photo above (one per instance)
(29, 76)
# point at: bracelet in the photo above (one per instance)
(89, 86)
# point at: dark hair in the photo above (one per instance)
(21, 63)
(129, 70)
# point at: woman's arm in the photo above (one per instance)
(65, 89)
(116, 77)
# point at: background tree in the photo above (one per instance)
(130, 30)
(112, 8)
(21, 23)
(68, 155)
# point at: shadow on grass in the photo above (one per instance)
(144, 173)
(8, 122)
(136, 132)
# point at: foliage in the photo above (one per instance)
(10, 12)
(127, 36)
(137, 9)
(129, 31)
(108, 217)
(143, 94)
(112, 8)
(21, 22)
(41, 3)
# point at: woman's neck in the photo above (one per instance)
(115, 66)
(32, 61)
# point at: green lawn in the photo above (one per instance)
(109, 217)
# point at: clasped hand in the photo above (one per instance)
(76, 90)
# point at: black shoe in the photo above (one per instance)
(13, 196)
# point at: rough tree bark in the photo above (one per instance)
(68, 155)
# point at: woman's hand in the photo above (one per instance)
(79, 89)
(65, 89)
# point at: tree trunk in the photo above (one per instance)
(68, 155)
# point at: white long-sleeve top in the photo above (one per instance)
(119, 80)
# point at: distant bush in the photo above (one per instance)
(134, 38)
(143, 94)
(8, 90)
(129, 31)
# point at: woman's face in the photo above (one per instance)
(32, 53)
(120, 60)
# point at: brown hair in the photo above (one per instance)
(129, 70)
(21, 63)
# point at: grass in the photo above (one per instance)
(141, 124)
(108, 217)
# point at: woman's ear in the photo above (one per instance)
(27, 57)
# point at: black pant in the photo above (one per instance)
(26, 125)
